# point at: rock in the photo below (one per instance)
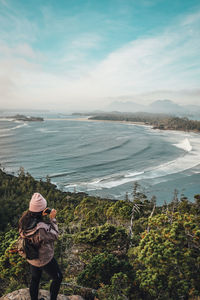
(23, 294)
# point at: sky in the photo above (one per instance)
(84, 54)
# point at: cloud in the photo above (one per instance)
(168, 61)
(182, 96)
(86, 41)
(191, 19)
(75, 59)
(69, 75)
(23, 50)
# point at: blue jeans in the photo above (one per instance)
(54, 272)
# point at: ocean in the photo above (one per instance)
(103, 158)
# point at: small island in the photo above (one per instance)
(24, 118)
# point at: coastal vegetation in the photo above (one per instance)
(158, 121)
(125, 249)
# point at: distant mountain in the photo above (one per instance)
(165, 106)
(170, 107)
(125, 106)
(158, 106)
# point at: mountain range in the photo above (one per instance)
(158, 106)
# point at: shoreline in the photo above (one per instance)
(92, 120)
(86, 119)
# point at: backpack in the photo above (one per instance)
(27, 249)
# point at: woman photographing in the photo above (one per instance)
(41, 235)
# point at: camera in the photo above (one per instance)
(47, 211)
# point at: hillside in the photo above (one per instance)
(126, 249)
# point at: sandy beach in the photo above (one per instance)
(91, 120)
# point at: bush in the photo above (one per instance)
(101, 269)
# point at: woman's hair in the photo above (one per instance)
(29, 218)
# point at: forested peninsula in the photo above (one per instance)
(125, 249)
(157, 121)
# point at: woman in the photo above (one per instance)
(42, 235)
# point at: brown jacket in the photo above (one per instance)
(43, 235)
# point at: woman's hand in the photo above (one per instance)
(52, 214)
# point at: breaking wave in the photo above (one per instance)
(100, 157)
(184, 162)
(185, 145)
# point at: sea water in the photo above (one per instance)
(103, 158)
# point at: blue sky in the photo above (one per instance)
(73, 53)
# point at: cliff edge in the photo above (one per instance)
(23, 294)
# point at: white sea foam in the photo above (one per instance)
(123, 137)
(13, 128)
(132, 174)
(44, 130)
(185, 145)
(4, 129)
(5, 135)
(185, 162)
(19, 126)
(7, 120)
(61, 174)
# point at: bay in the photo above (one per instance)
(103, 158)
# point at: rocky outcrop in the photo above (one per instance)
(25, 118)
(23, 294)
